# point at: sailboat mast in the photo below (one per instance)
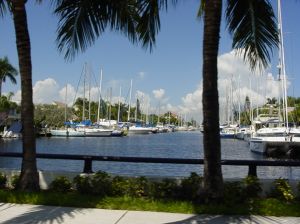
(129, 105)
(239, 87)
(251, 110)
(136, 108)
(99, 101)
(119, 104)
(158, 121)
(83, 103)
(231, 101)
(282, 64)
(89, 95)
(110, 102)
(66, 105)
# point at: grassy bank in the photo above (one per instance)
(101, 190)
(269, 206)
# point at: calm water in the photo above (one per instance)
(172, 145)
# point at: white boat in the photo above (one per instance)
(161, 128)
(94, 131)
(14, 131)
(243, 133)
(11, 134)
(81, 132)
(227, 132)
(181, 128)
(139, 130)
(68, 132)
(268, 133)
(270, 139)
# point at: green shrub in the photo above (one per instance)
(233, 192)
(298, 189)
(61, 184)
(3, 181)
(120, 186)
(83, 184)
(251, 187)
(139, 187)
(101, 184)
(191, 186)
(166, 189)
(282, 190)
(15, 179)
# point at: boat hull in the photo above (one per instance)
(273, 146)
(97, 133)
(139, 131)
(67, 133)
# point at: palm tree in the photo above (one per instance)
(253, 26)
(7, 71)
(29, 179)
(213, 181)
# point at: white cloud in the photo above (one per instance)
(141, 75)
(232, 71)
(158, 93)
(235, 73)
(44, 91)
(144, 100)
(67, 94)
(17, 97)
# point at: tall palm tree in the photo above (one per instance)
(252, 24)
(29, 179)
(7, 71)
(213, 181)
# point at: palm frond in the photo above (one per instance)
(7, 70)
(149, 19)
(201, 9)
(149, 22)
(253, 25)
(164, 4)
(2, 8)
(123, 17)
(82, 21)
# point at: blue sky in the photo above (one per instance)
(172, 70)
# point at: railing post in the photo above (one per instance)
(87, 165)
(252, 170)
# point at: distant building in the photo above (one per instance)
(8, 117)
(59, 104)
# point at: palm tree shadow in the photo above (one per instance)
(213, 219)
(38, 214)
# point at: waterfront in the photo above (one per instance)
(170, 145)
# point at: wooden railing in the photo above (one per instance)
(88, 160)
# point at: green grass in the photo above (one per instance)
(272, 207)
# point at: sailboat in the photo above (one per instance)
(276, 137)
(135, 127)
(85, 127)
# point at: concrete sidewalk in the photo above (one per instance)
(39, 214)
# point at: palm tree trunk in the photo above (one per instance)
(213, 181)
(29, 179)
(0, 86)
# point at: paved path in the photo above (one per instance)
(39, 214)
